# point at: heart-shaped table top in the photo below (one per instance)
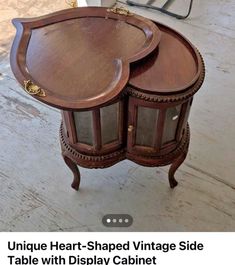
(80, 58)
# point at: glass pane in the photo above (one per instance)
(109, 117)
(187, 112)
(170, 125)
(84, 127)
(145, 131)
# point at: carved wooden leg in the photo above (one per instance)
(174, 166)
(76, 180)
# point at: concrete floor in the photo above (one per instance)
(35, 193)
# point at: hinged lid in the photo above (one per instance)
(80, 58)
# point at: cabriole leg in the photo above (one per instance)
(76, 180)
(174, 166)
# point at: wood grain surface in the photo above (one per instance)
(80, 57)
(175, 65)
(35, 195)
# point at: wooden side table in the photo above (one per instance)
(124, 85)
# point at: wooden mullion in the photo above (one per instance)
(97, 129)
(159, 127)
(183, 112)
(70, 124)
(132, 121)
(120, 121)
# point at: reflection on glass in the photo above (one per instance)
(145, 131)
(109, 117)
(84, 127)
(187, 112)
(170, 125)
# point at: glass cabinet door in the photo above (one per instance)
(99, 130)
(109, 118)
(152, 128)
(142, 126)
(84, 127)
(145, 127)
(170, 124)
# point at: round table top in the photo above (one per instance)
(80, 58)
(172, 68)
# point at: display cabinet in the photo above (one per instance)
(97, 131)
(124, 84)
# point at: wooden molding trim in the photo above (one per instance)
(173, 97)
(121, 69)
(103, 161)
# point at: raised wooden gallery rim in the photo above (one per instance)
(176, 66)
(80, 57)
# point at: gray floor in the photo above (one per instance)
(35, 193)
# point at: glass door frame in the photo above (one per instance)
(97, 148)
(158, 148)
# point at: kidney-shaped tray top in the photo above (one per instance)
(80, 57)
(173, 68)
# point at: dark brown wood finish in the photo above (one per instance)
(97, 129)
(67, 117)
(172, 73)
(160, 125)
(160, 154)
(176, 157)
(76, 173)
(98, 148)
(140, 75)
(181, 124)
(158, 148)
(61, 53)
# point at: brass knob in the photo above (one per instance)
(130, 128)
(71, 3)
(120, 11)
(33, 89)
